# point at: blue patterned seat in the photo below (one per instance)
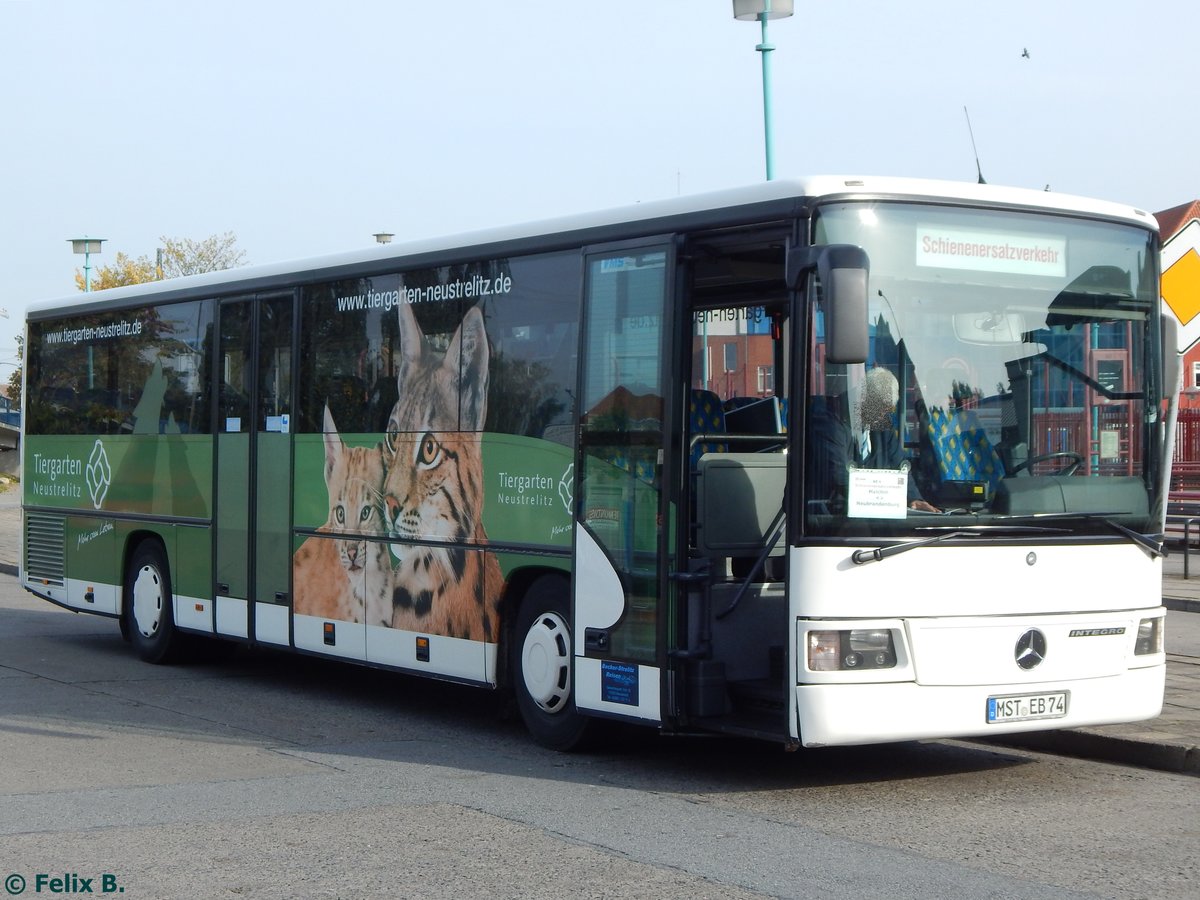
(706, 415)
(962, 448)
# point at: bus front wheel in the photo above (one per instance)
(541, 666)
(147, 605)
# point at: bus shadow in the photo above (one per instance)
(310, 707)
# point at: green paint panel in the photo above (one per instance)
(273, 556)
(159, 474)
(93, 552)
(192, 567)
(233, 512)
(528, 491)
(511, 563)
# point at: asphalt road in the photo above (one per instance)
(257, 774)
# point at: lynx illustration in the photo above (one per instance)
(411, 551)
(433, 489)
(346, 578)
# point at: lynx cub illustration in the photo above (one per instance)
(433, 489)
(346, 578)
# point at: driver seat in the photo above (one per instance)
(962, 448)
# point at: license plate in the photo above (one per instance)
(1023, 707)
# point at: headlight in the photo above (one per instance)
(1149, 637)
(834, 651)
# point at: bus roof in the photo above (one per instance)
(785, 195)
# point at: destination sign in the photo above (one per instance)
(984, 251)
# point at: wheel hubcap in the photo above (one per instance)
(147, 601)
(546, 662)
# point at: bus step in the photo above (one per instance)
(758, 694)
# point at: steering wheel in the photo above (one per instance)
(1069, 469)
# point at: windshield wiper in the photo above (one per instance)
(1152, 547)
(875, 554)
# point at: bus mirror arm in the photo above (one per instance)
(843, 271)
(1172, 363)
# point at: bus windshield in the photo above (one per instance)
(1012, 376)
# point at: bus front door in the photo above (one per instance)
(254, 464)
(622, 551)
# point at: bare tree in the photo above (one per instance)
(184, 256)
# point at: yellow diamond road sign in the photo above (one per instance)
(1181, 286)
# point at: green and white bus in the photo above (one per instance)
(634, 465)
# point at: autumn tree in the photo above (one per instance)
(179, 256)
(184, 256)
(14, 378)
(125, 270)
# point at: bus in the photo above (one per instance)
(620, 465)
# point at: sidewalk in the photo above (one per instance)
(1170, 742)
(10, 528)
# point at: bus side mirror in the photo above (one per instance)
(1171, 362)
(843, 270)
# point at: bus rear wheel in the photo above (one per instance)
(147, 605)
(540, 660)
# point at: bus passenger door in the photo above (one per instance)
(254, 463)
(622, 550)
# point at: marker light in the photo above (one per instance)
(1149, 637)
(824, 647)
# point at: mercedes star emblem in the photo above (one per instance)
(1031, 649)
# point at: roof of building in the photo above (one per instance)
(1171, 221)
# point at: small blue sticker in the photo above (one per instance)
(618, 683)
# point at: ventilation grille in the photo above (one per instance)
(45, 547)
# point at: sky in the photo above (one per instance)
(305, 127)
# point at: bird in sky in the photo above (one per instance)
(1025, 53)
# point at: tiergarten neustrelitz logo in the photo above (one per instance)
(566, 486)
(98, 474)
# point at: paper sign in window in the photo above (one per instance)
(878, 494)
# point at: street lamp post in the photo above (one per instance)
(383, 237)
(762, 10)
(87, 246)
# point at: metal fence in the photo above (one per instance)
(1185, 464)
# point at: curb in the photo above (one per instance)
(1181, 604)
(1089, 745)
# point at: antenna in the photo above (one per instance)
(971, 132)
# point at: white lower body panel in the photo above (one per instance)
(195, 613)
(104, 598)
(445, 656)
(232, 617)
(837, 714)
(622, 689)
(271, 623)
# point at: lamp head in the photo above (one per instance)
(750, 10)
(86, 245)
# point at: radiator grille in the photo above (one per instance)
(45, 547)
